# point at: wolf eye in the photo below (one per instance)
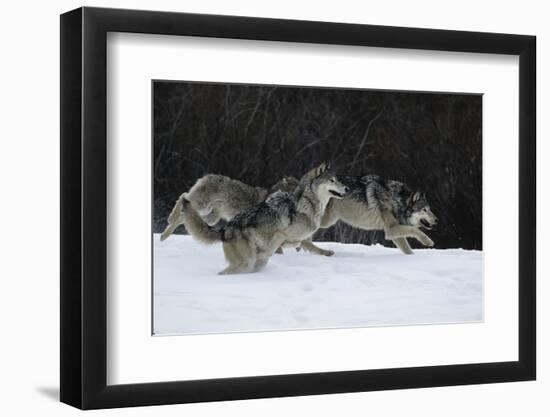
(332, 180)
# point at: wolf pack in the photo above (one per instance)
(254, 223)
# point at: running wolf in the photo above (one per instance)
(252, 236)
(216, 197)
(375, 203)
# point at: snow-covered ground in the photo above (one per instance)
(359, 286)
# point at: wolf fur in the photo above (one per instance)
(215, 198)
(373, 203)
(253, 235)
(376, 203)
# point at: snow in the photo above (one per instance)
(358, 286)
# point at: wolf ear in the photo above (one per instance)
(321, 169)
(414, 197)
(316, 172)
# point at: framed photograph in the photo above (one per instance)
(258, 208)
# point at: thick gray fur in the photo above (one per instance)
(375, 203)
(283, 219)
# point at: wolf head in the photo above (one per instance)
(418, 212)
(324, 183)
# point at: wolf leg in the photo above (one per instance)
(174, 218)
(175, 215)
(244, 267)
(393, 230)
(401, 243)
(240, 256)
(260, 264)
(423, 238)
(329, 217)
(232, 257)
(403, 231)
(308, 245)
(169, 230)
(235, 269)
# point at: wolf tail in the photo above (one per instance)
(174, 219)
(196, 226)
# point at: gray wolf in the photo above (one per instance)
(252, 236)
(373, 203)
(217, 197)
(376, 203)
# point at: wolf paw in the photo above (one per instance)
(426, 241)
(327, 253)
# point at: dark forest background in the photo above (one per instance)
(258, 134)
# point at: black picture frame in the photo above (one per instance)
(84, 207)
